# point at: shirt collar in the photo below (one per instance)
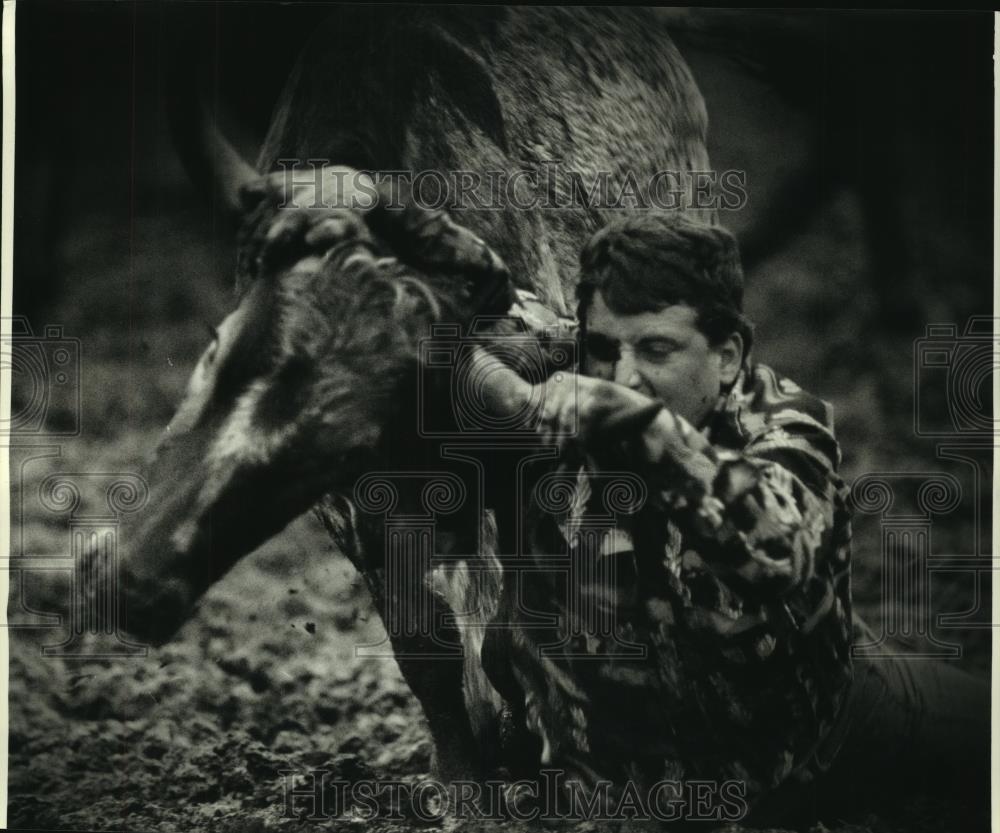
(727, 401)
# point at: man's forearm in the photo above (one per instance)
(751, 517)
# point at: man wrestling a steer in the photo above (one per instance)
(677, 610)
(729, 656)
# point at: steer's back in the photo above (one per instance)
(499, 90)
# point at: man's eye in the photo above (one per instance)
(602, 349)
(656, 351)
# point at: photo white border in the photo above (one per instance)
(6, 303)
(995, 537)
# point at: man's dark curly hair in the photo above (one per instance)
(646, 262)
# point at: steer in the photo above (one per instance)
(312, 381)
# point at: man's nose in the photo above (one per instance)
(626, 372)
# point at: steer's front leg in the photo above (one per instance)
(426, 645)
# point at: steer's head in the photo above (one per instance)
(290, 398)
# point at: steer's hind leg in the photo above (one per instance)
(426, 643)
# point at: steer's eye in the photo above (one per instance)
(209, 355)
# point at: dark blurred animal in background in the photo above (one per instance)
(889, 108)
(310, 382)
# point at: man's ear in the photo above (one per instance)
(730, 358)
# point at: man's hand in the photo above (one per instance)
(592, 412)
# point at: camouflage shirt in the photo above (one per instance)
(704, 623)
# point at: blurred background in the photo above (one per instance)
(867, 141)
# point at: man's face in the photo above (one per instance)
(662, 354)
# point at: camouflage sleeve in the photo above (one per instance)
(766, 514)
